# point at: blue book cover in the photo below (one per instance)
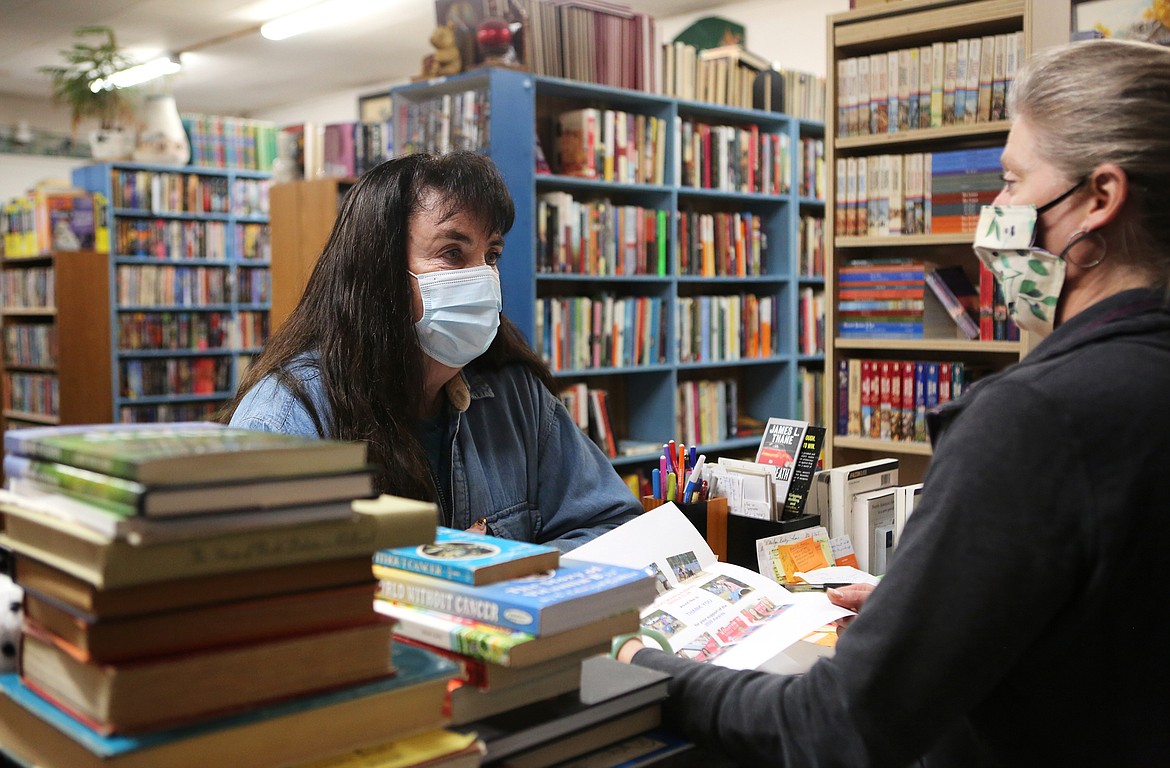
(470, 558)
(920, 401)
(415, 666)
(575, 594)
(967, 161)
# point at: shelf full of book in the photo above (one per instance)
(56, 345)
(656, 259)
(918, 116)
(189, 284)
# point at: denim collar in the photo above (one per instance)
(466, 386)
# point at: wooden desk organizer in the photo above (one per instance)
(732, 538)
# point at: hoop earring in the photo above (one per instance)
(1077, 237)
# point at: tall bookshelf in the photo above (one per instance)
(189, 284)
(882, 29)
(513, 111)
(56, 343)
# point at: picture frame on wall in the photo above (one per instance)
(375, 109)
(1145, 20)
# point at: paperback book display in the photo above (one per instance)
(906, 298)
(238, 638)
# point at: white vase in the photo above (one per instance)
(162, 139)
(106, 144)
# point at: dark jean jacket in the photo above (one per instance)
(517, 458)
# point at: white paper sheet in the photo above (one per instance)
(710, 611)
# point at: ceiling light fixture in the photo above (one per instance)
(168, 64)
(329, 13)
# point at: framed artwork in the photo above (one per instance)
(1146, 20)
(374, 109)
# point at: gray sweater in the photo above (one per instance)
(1017, 624)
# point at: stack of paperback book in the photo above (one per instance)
(190, 615)
(520, 624)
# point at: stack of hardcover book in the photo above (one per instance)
(190, 615)
(520, 624)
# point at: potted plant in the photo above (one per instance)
(86, 62)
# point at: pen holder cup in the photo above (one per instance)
(731, 537)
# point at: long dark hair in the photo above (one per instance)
(356, 313)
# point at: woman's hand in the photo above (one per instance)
(627, 650)
(852, 597)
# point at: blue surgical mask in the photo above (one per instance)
(461, 313)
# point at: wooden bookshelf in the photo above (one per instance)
(302, 214)
(77, 313)
(882, 29)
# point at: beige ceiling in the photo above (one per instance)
(232, 69)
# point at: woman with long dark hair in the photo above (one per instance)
(398, 342)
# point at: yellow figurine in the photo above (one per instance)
(446, 59)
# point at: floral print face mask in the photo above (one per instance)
(1031, 277)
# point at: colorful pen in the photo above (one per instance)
(695, 478)
(656, 483)
(668, 458)
(671, 484)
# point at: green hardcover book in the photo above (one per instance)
(185, 453)
(129, 498)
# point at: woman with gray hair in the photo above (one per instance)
(1010, 628)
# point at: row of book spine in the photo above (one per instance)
(162, 413)
(734, 158)
(578, 332)
(889, 399)
(253, 285)
(181, 192)
(707, 410)
(174, 376)
(611, 145)
(723, 244)
(946, 83)
(597, 237)
(589, 407)
(171, 239)
(31, 344)
(609, 45)
(915, 194)
(810, 169)
(191, 331)
(219, 141)
(686, 75)
(28, 288)
(444, 123)
(726, 328)
(32, 393)
(173, 330)
(167, 286)
(810, 339)
(811, 246)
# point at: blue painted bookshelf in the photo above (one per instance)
(514, 112)
(190, 283)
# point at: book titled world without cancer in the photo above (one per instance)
(574, 594)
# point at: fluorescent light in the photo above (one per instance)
(164, 65)
(329, 13)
